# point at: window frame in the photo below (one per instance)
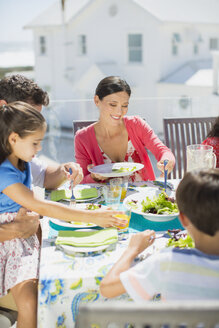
(82, 45)
(42, 45)
(211, 41)
(134, 48)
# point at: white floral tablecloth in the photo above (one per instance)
(66, 281)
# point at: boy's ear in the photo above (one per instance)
(3, 102)
(184, 220)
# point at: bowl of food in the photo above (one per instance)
(153, 204)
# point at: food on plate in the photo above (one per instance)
(92, 207)
(124, 169)
(88, 207)
(179, 239)
(133, 204)
(161, 204)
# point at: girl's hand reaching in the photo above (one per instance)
(107, 218)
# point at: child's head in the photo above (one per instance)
(215, 129)
(197, 197)
(19, 120)
(19, 88)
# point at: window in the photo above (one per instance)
(176, 39)
(195, 49)
(82, 44)
(135, 48)
(42, 41)
(214, 44)
(174, 49)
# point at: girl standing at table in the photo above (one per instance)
(213, 139)
(118, 138)
(22, 129)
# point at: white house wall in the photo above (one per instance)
(107, 42)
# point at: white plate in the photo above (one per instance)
(106, 169)
(71, 250)
(59, 224)
(140, 196)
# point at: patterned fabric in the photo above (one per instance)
(176, 274)
(19, 258)
(214, 142)
(131, 156)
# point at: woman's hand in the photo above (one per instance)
(141, 240)
(107, 218)
(97, 177)
(169, 166)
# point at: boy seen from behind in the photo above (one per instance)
(173, 272)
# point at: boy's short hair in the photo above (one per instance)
(197, 197)
(19, 88)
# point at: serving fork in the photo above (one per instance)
(72, 200)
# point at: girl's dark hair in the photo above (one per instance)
(18, 117)
(215, 129)
(197, 197)
(110, 85)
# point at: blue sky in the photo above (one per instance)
(17, 13)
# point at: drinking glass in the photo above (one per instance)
(125, 216)
(200, 157)
(112, 196)
(122, 182)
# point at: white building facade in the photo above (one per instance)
(145, 42)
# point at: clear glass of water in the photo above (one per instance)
(112, 196)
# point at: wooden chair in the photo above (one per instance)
(180, 132)
(77, 125)
(149, 314)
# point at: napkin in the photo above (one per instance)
(92, 238)
(84, 193)
(59, 194)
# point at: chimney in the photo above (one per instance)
(215, 55)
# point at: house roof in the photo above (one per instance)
(53, 15)
(193, 73)
(180, 11)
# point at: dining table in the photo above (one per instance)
(68, 280)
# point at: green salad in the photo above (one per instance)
(181, 240)
(124, 169)
(161, 204)
(92, 207)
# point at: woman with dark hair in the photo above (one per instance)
(118, 138)
(213, 139)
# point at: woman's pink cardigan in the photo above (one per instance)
(87, 150)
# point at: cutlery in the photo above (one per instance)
(165, 174)
(72, 200)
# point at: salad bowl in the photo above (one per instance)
(136, 202)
